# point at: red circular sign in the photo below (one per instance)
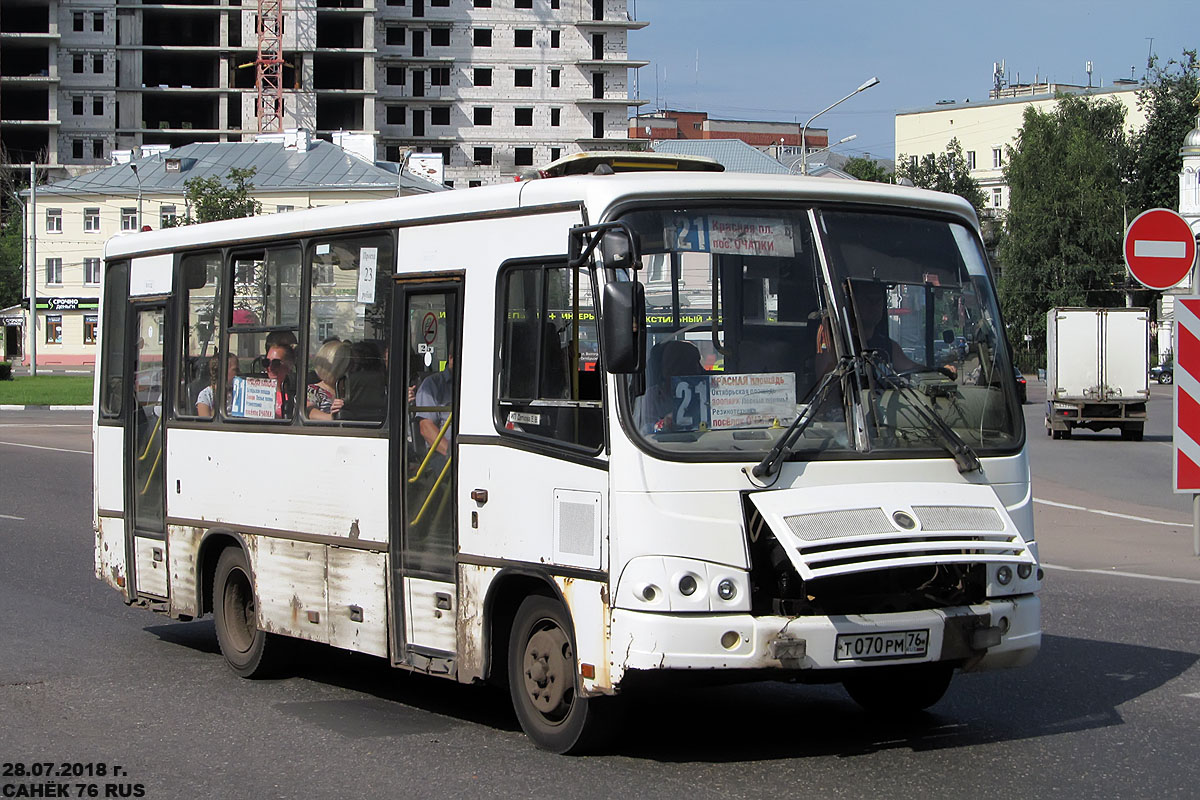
(1160, 248)
(429, 326)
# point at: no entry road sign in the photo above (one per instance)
(1160, 248)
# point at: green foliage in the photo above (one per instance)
(211, 199)
(1166, 100)
(943, 172)
(1062, 240)
(10, 260)
(867, 169)
(6, 371)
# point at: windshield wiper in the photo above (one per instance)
(964, 457)
(816, 399)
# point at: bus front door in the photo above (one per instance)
(424, 476)
(145, 521)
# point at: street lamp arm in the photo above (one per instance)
(867, 84)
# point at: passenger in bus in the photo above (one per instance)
(281, 366)
(322, 399)
(204, 401)
(436, 392)
(671, 359)
(870, 306)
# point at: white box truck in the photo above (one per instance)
(1096, 362)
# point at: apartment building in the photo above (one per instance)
(491, 85)
(986, 128)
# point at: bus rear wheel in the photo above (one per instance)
(899, 691)
(248, 651)
(542, 681)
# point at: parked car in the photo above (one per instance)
(1021, 389)
(1164, 372)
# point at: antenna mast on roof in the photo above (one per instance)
(269, 65)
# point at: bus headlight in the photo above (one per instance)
(687, 585)
(726, 589)
(681, 585)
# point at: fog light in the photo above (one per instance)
(726, 589)
(1041, 574)
(1004, 625)
(1004, 575)
(1024, 571)
(730, 639)
(649, 593)
(687, 585)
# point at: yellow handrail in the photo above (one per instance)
(432, 489)
(150, 441)
(432, 448)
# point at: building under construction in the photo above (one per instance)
(492, 85)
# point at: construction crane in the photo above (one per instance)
(269, 65)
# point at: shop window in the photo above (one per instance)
(54, 329)
(90, 323)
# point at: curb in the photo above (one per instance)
(14, 407)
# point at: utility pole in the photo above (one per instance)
(33, 268)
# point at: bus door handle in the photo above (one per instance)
(479, 496)
(441, 600)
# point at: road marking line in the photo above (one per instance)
(10, 516)
(64, 425)
(1121, 574)
(1111, 513)
(55, 449)
(1194, 695)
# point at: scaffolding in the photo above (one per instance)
(269, 65)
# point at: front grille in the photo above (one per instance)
(958, 518)
(837, 524)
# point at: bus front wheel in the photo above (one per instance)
(897, 691)
(248, 650)
(542, 671)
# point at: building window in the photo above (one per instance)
(395, 76)
(970, 159)
(98, 22)
(53, 220)
(597, 85)
(439, 76)
(284, 209)
(483, 76)
(597, 46)
(523, 4)
(439, 3)
(53, 271)
(77, 63)
(91, 220)
(522, 38)
(396, 115)
(555, 152)
(77, 105)
(439, 37)
(439, 116)
(912, 163)
(554, 38)
(482, 156)
(523, 156)
(523, 77)
(54, 329)
(98, 65)
(91, 271)
(997, 158)
(523, 117)
(78, 21)
(483, 3)
(474, 184)
(597, 124)
(997, 197)
(89, 327)
(597, 10)
(394, 35)
(554, 4)
(97, 106)
(483, 115)
(97, 148)
(129, 219)
(167, 218)
(77, 148)
(555, 117)
(555, 78)
(483, 37)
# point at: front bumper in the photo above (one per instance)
(648, 641)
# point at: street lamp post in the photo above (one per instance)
(849, 138)
(804, 132)
(133, 167)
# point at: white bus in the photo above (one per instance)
(577, 434)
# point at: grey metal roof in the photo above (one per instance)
(736, 155)
(277, 169)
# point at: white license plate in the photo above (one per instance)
(873, 646)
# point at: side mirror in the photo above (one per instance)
(623, 326)
(620, 251)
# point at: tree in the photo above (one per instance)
(1166, 100)
(211, 199)
(1062, 239)
(943, 172)
(866, 169)
(10, 260)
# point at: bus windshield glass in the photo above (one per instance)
(899, 306)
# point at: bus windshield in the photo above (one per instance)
(899, 306)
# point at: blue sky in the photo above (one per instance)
(788, 59)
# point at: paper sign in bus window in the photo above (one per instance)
(721, 401)
(253, 398)
(368, 258)
(726, 235)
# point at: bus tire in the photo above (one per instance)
(899, 691)
(247, 650)
(543, 683)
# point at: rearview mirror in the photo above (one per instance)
(623, 323)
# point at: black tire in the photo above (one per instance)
(250, 652)
(899, 691)
(1166, 377)
(543, 683)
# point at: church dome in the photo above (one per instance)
(1191, 142)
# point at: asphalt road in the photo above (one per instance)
(1109, 709)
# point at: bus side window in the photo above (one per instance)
(549, 381)
(199, 341)
(112, 371)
